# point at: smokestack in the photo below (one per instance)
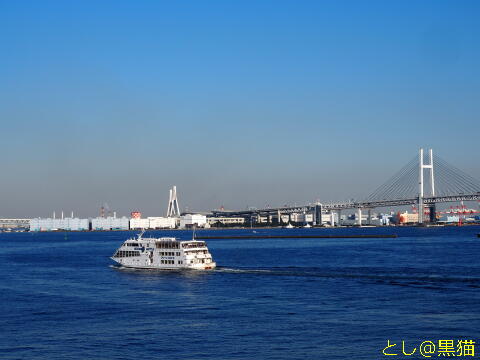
(62, 214)
(54, 214)
(72, 214)
(114, 214)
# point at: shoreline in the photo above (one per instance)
(252, 228)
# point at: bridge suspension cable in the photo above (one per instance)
(449, 180)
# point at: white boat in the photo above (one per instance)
(165, 253)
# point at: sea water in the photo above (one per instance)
(62, 297)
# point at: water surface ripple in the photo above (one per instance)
(63, 298)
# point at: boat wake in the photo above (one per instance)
(395, 278)
(379, 276)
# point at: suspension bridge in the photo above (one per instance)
(425, 181)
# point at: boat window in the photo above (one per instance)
(167, 244)
(123, 253)
(195, 244)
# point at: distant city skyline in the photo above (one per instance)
(236, 103)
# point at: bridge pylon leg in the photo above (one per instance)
(420, 210)
(433, 214)
(421, 192)
(318, 215)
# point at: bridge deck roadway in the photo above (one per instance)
(350, 205)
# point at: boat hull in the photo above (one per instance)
(210, 266)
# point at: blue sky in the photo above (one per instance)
(238, 103)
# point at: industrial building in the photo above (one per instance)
(301, 218)
(407, 218)
(162, 222)
(139, 223)
(110, 223)
(8, 224)
(193, 220)
(156, 222)
(231, 221)
(53, 224)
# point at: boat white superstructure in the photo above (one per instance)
(165, 253)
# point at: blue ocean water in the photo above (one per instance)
(276, 299)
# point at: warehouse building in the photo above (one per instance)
(53, 224)
(139, 224)
(156, 222)
(226, 220)
(193, 220)
(110, 223)
(162, 222)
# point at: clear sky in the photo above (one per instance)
(238, 103)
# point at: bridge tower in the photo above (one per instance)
(173, 208)
(421, 192)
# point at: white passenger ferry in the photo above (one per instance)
(164, 253)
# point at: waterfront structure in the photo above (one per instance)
(301, 218)
(14, 223)
(173, 209)
(77, 224)
(382, 220)
(232, 221)
(408, 218)
(309, 218)
(262, 219)
(154, 222)
(407, 187)
(139, 223)
(162, 222)
(110, 223)
(193, 220)
(53, 224)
